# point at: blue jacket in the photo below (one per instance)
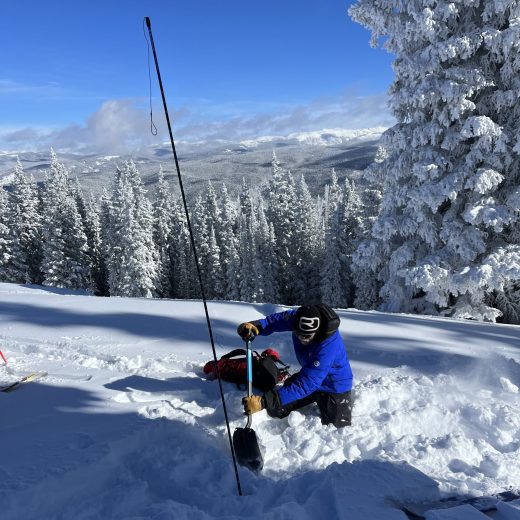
(325, 365)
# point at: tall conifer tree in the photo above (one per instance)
(5, 242)
(25, 230)
(330, 272)
(281, 207)
(163, 228)
(230, 260)
(92, 224)
(304, 247)
(183, 273)
(65, 260)
(449, 167)
(266, 260)
(132, 260)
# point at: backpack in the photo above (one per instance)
(331, 320)
(232, 367)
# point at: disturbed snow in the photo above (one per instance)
(126, 426)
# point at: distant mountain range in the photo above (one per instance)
(313, 154)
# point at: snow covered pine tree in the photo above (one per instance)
(25, 227)
(445, 240)
(132, 257)
(65, 260)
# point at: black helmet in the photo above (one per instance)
(308, 320)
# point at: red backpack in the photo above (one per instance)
(232, 367)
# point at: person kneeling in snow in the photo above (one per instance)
(325, 377)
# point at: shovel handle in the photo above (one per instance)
(249, 356)
(249, 369)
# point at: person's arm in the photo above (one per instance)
(278, 322)
(310, 377)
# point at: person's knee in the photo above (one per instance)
(340, 422)
(278, 413)
(336, 409)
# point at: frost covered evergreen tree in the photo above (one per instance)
(132, 258)
(331, 198)
(305, 246)
(367, 285)
(215, 275)
(351, 225)
(90, 220)
(25, 230)
(65, 261)
(212, 207)
(281, 207)
(145, 222)
(248, 276)
(230, 260)
(117, 242)
(266, 262)
(331, 266)
(162, 233)
(5, 245)
(105, 225)
(450, 167)
(212, 265)
(183, 273)
(201, 228)
(93, 232)
(331, 270)
(246, 199)
(341, 239)
(508, 301)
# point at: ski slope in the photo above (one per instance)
(125, 426)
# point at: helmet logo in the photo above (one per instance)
(309, 324)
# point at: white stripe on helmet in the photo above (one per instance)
(308, 324)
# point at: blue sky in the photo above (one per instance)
(75, 74)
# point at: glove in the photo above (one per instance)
(253, 404)
(248, 331)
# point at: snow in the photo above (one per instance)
(126, 426)
(332, 136)
(509, 511)
(253, 143)
(7, 179)
(464, 512)
(324, 137)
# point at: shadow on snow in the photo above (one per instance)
(68, 459)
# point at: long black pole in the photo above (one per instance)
(197, 264)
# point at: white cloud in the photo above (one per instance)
(122, 125)
(21, 135)
(346, 111)
(117, 126)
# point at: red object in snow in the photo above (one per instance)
(3, 357)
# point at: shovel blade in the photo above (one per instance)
(247, 450)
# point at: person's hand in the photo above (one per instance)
(248, 331)
(253, 404)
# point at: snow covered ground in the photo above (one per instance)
(126, 426)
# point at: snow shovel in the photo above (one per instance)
(245, 442)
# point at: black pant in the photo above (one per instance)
(335, 409)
